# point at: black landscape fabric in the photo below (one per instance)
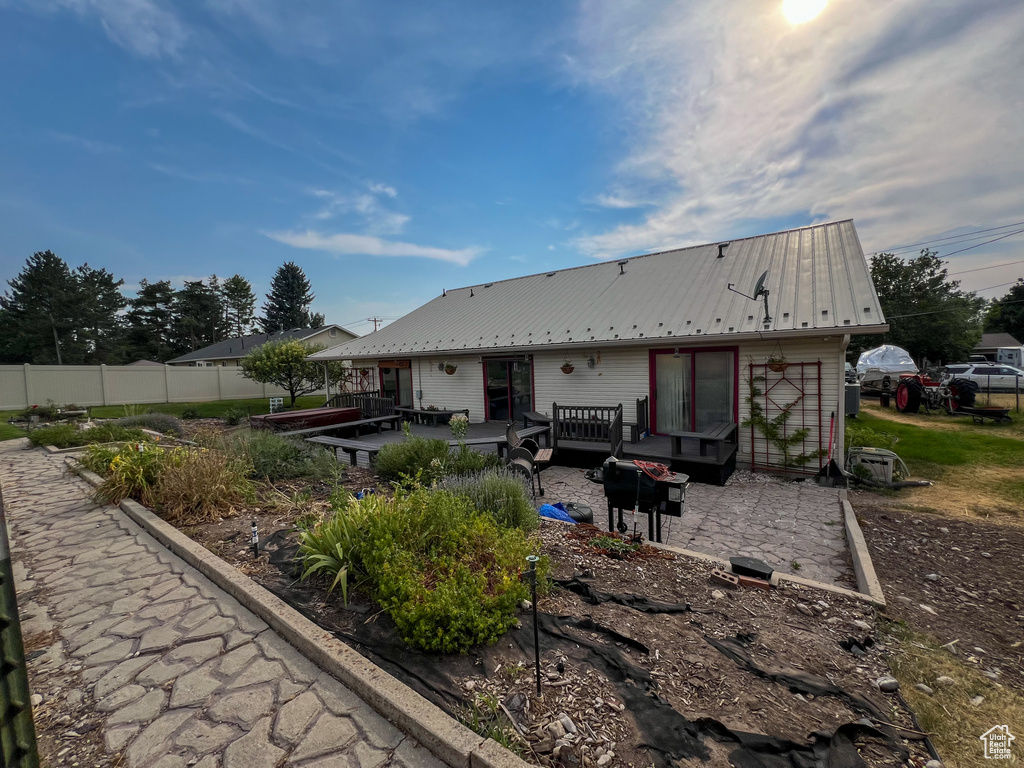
(666, 733)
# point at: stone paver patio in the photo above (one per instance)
(795, 527)
(184, 674)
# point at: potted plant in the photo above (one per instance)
(777, 360)
(450, 367)
(568, 367)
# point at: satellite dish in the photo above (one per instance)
(759, 289)
(760, 292)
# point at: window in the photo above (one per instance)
(692, 389)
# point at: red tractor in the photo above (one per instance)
(916, 389)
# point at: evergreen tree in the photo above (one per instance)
(150, 322)
(239, 306)
(198, 319)
(288, 302)
(101, 329)
(40, 315)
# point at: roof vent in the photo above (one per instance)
(488, 285)
(721, 249)
(622, 267)
(471, 293)
(551, 274)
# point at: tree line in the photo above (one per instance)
(930, 315)
(53, 314)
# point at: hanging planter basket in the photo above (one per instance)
(364, 371)
(450, 368)
(777, 365)
(568, 368)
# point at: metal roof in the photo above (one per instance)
(240, 346)
(818, 280)
(988, 341)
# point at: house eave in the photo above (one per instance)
(705, 339)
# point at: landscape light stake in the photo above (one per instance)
(532, 576)
(255, 540)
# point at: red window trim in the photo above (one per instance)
(487, 397)
(651, 372)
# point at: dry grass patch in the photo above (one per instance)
(954, 723)
(976, 492)
(203, 486)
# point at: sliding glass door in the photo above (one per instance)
(396, 381)
(509, 388)
(692, 389)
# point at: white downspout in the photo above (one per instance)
(841, 416)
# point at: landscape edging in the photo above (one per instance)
(446, 738)
(867, 579)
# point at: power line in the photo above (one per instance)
(965, 235)
(943, 311)
(993, 266)
(985, 242)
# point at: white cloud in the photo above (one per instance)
(143, 27)
(343, 243)
(382, 189)
(89, 145)
(618, 201)
(376, 219)
(905, 116)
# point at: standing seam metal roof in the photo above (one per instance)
(818, 280)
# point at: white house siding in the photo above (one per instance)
(463, 389)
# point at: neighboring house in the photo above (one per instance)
(991, 342)
(231, 351)
(145, 362)
(664, 325)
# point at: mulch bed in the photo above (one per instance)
(668, 658)
(964, 569)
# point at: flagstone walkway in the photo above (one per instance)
(183, 674)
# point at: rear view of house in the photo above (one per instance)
(672, 330)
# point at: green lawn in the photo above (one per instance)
(209, 410)
(928, 445)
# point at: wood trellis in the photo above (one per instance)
(795, 387)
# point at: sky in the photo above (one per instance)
(397, 149)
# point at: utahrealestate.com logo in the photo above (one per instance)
(997, 741)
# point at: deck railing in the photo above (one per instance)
(587, 424)
(349, 399)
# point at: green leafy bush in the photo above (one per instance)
(429, 459)
(158, 422)
(411, 457)
(865, 437)
(128, 471)
(190, 413)
(70, 436)
(446, 573)
(279, 458)
(235, 415)
(502, 494)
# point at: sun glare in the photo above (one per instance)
(802, 11)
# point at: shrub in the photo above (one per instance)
(866, 437)
(129, 472)
(429, 460)
(158, 422)
(235, 415)
(190, 413)
(502, 494)
(446, 573)
(412, 456)
(278, 458)
(202, 486)
(70, 436)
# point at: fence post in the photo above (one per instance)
(103, 382)
(167, 384)
(28, 386)
(17, 732)
(220, 388)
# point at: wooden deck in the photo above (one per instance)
(659, 448)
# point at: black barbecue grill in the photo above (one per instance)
(648, 488)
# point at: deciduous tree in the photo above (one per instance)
(928, 314)
(1006, 314)
(283, 363)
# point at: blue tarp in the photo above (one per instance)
(556, 512)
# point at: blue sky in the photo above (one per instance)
(397, 149)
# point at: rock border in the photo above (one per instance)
(446, 738)
(867, 579)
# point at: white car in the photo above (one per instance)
(989, 376)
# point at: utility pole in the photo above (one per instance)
(374, 320)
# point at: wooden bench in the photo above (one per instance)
(423, 415)
(377, 421)
(587, 428)
(715, 445)
(533, 417)
(351, 447)
(497, 440)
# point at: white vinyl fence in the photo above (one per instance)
(22, 386)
